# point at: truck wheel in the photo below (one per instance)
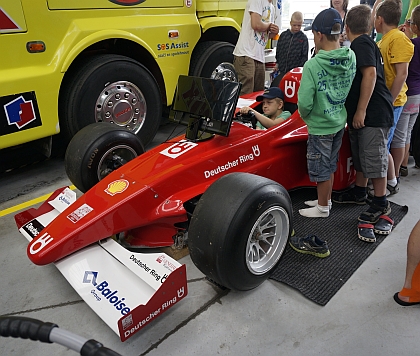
(115, 89)
(213, 59)
(97, 150)
(239, 230)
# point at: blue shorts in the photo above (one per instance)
(397, 112)
(322, 155)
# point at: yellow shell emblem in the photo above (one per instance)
(117, 186)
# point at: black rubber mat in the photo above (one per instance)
(319, 279)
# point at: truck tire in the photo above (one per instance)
(239, 230)
(213, 59)
(97, 150)
(111, 88)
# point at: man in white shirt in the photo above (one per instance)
(257, 27)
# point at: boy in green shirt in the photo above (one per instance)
(326, 81)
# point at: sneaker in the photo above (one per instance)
(403, 171)
(311, 245)
(349, 197)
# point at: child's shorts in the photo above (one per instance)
(322, 155)
(369, 151)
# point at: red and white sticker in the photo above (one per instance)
(178, 149)
(6, 22)
(188, 3)
(79, 213)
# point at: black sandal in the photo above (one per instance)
(373, 217)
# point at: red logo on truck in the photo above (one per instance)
(127, 2)
(6, 23)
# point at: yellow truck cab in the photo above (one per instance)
(67, 63)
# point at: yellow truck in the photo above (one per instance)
(67, 63)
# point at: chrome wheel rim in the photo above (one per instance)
(267, 240)
(122, 104)
(113, 159)
(225, 71)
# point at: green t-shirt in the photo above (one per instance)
(284, 115)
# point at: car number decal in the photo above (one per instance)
(178, 149)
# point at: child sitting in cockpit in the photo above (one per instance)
(272, 106)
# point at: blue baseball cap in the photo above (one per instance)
(271, 93)
(325, 21)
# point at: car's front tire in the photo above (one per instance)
(239, 230)
(97, 150)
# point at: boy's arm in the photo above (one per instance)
(304, 54)
(401, 70)
(306, 93)
(366, 89)
(267, 122)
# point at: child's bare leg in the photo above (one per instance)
(412, 274)
(321, 210)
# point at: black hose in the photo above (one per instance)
(36, 330)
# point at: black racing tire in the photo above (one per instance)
(111, 88)
(213, 59)
(97, 150)
(239, 230)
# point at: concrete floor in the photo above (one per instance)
(274, 319)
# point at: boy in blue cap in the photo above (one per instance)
(326, 81)
(272, 105)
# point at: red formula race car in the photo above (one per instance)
(221, 189)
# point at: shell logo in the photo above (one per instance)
(117, 186)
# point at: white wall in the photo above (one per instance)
(309, 8)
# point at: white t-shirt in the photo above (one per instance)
(250, 42)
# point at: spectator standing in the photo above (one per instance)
(411, 108)
(292, 46)
(257, 27)
(369, 117)
(341, 7)
(325, 83)
(410, 294)
(397, 51)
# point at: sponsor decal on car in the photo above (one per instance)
(166, 263)
(178, 149)
(104, 293)
(149, 270)
(79, 213)
(117, 186)
(231, 164)
(19, 112)
(127, 323)
(33, 228)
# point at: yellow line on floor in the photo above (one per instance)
(27, 204)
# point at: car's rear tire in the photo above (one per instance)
(111, 88)
(239, 230)
(213, 59)
(97, 150)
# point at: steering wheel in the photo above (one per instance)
(249, 117)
